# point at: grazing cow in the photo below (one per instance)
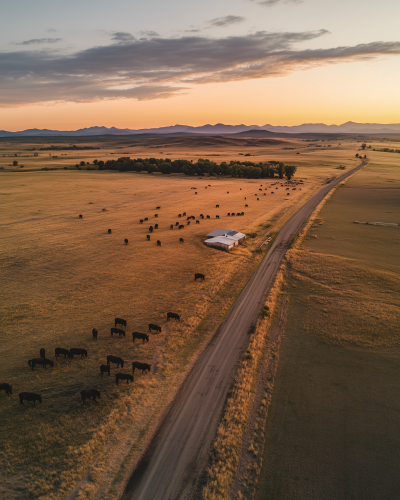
(201, 215)
(29, 396)
(265, 194)
(193, 217)
(173, 316)
(229, 214)
(140, 366)
(76, 351)
(150, 229)
(180, 240)
(188, 218)
(158, 243)
(272, 192)
(209, 185)
(188, 222)
(146, 218)
(199, 276)
(197, 222)
(171, 226)
(288, 194)
(217, 216)
(233, 214)
(90, 393)
(155, 226)
(59, 351)
(109, 231)
(141, 336)
(126, 241)
(238, 214)
(42, 352)
(80, 216)
(155, 215)
(208, 217)
(242, 213)
(105, 369)
(141, 221)
(246, 206)
(115, 359)
(148, 237)
(95, 333)
(158, 208)
(195, 192)
(6, 387)
(40, 361)
(216, 206)
(154, 327)
(119, 321)
(184, 214)
(123, 376)
(181, 226)
(228, 192)
(176, 223)
(258, 199)
(180, 215)
(118, 331)
(259, 189)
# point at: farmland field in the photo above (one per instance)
(61, 276)
(332, 430)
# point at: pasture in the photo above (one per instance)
(332, 428)
(63, 276)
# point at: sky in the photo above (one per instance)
(140, 64)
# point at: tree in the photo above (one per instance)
(82, 163)
(95, 162)
(363, 145)
(281, 170)
(356, 155)
(101, 164)
(290, 170)
(15, 163)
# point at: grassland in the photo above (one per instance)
(332, 429)
(62, 276)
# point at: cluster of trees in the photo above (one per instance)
(388, 150)
(248, 169)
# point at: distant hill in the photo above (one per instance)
(218, 129)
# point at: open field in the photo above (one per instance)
(332, 430)
(62, 276)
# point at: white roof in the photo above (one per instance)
(223, 240)
(227, 233)
(217, 232)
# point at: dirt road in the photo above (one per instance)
(177, 453)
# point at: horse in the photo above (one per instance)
(40, 361)
(59, 351)
(115, 359)
(42, 352)
(199, 276)
(173, 316)
(78, 352)
(123, 376)
(117, 331)
(154, 327)
(140, 366)
(119, 321)
(95, 333)
(90, 393)
(29, 396)
(104, 368)
(142, 336)
(6, 387)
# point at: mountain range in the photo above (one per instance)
(218, 129)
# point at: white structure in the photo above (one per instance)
(224, 238)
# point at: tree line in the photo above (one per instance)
(247, 169)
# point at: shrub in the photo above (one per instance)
(15, 163)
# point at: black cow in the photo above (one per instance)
(199, 276)
(105, 369)
(208, 217)
(179, 215)
(141, 221)
(197, 222)
(233, 214)
(123, 376)
(119, 321)
(272, 192)
(29, 396)
(158, 243)
(154, 327)
(176, 223)
(109, 231)
(59, 351)
(229, 214)
(150, 229)
(181, 226)
(80, 216)
(171, 226)
(148, 237)
(90, 393)
(181, 240)
(217, 216)
(173, 316)
(117, 331)
(227, 192)
(40, 361)
(195, 192)
(126, 241)
(42, 352)
(158, 208)
(142, 336)
(146, 218)
(201, 215)
(76, 351)
(95, 333)
(155, 215)
(216, 206)
(115, 359)
(6, 387)
(155, 226)
(140, 366)
(184, 214)
(188, 222)
(246, 206)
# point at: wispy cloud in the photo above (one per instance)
(154, 68)
(271, 3)
(149, 33)
(222, 22)
(35, 41)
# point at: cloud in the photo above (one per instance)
(222, 22)
(154, 68)
(148, 34)
(271, 3)
(34, 41)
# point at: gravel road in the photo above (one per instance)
(177, 453)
